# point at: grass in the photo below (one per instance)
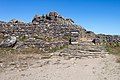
(118, 60)
(56, 49)
(9, 54)
(114, 49)
(31, 51)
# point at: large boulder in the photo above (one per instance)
(10, 42)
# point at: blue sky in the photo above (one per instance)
(100, 16)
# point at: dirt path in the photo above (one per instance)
(60, 69)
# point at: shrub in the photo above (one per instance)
(115, 50)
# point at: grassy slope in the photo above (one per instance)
(115, 50)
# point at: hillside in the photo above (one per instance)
(52, 47)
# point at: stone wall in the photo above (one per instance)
(109, 39)
(44, 32)
(49, 29)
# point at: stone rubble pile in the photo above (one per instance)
(48, 31)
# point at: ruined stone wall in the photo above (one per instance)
(49, 29)
(109, 39)
(42, 33)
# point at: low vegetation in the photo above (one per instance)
(114, 49)
(58, 48)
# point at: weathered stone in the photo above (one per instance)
(8, 42)
(15, 21)
(49, 31)
(109, 39)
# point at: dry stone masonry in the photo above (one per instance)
(107, 39)
(47, 32)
